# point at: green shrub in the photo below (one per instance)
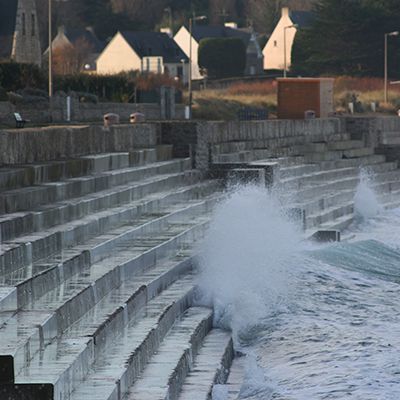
(16, 76)
(222, 57)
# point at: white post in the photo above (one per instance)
(68, 108)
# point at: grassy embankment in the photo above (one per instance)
(224, 103)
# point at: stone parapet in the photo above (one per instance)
(60, 142)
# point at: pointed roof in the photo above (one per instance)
(8, 14)
(73, 35)
(148, 44)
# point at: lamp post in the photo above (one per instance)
(284, 48)
(50, 62)
(385, 89)
(198, 18)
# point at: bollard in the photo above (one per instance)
(136, 117)
(110, 119)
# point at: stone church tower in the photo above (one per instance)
(19, 32)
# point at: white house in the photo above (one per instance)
(289, 22)
(145, 52)
(254, 57)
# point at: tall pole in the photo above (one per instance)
(284, 52)
(50, 62)
(385, 88)
(284, 48)
(190, 68)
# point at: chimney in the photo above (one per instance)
(285, 11)
(168, 31)
(232, 25)
(61, 30)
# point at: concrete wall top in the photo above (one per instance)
(218, 132)
(60, 142)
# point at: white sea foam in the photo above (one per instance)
(366, 204)
(245, 258)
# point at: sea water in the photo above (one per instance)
(314, 321)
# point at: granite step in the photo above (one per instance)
(33, 280)
(63, 306)
(72, 362)
(164, 375)
(44, 217)
(101, 325)
(211, 366)
(236, 378)
(123, 362)
(36, 246)
(20, 175)
(27, 198)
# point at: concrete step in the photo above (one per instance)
(33, 280)
(298, 170)
(232, 147)
(72, 363)
(80, 226)
(345, 145)
(106, 319)
(340, 224)
(354, 162)
(164, 375)
(30, 197)
(317, 219)
(118, 368)
(61, 307)
(236, 378)
(21, 252)
(240, 156)
(35, 174)
(210, 367)
(297, 182)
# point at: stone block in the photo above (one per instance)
(326, 236)
(247, 176)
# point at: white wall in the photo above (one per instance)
(117, 57)
(182, 38)
(274, 49)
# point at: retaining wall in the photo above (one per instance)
(83, 112)
(18, 146)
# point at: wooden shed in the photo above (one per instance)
(298, 95)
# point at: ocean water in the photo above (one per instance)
(314, 321)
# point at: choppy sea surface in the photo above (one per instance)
(315, 321)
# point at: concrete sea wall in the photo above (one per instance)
(19, 146)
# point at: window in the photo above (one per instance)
(33, 24)
(147, 64)
(23, 24)
(158, 66)
(275, 43)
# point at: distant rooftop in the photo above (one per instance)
(219, 31)
(147, 44)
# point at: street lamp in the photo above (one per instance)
(50, 62)
(284, 48)
(385, 89)
(198, 18)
